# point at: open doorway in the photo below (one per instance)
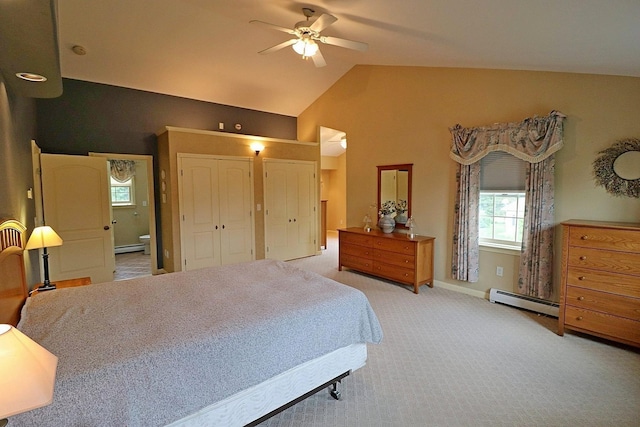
(333, 179)
(133, 216)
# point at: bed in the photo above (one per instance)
(225, 346)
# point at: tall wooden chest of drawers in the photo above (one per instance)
(600, 290)
(392, 256)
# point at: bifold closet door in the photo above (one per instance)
(290, 209)
(216, 216)
(200, 215)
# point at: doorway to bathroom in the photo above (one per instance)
(133, 214)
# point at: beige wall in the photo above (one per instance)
(334, 190)
(402, 115)
(177, 140)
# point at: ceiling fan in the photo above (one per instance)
(307, 34)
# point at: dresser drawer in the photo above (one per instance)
(605, 238)
(356, 250)
(604, 281)
(603, 324)
(394, 258)
(604, 302)
(356, 239)
(393, 272)
(617, 262)
(357, 263)
(395, 245)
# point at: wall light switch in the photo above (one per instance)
(30, 193)
(258, 207)
(499, 271)
(221, 126)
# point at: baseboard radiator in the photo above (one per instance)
(549, 308)
(128, 248)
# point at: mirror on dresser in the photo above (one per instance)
(394, 184)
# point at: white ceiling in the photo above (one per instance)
(207, 49)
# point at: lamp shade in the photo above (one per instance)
(27, 373)
(43, 237)
(305, 47)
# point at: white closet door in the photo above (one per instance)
(290, 209)
(200, 218)
(234, 185)
(306, 208)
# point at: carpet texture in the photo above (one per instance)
(450, 359)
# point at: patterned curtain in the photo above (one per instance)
(122, 170)
(465, 259)
(536, 262)
(534, 140)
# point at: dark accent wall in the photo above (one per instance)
(94, 117)
(103, 118)
(17, 129)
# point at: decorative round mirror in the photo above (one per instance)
(618, 168)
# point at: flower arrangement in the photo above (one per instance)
(401, 207)
(387, 208)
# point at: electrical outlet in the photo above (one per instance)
(499, 271)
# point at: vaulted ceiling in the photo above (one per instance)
(208, 49)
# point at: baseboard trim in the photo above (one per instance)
(462, 290)
(128, 248)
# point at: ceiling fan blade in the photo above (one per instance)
(318, 59)
(273, 27)
(278, 46)
(323, 22)
(349, 44)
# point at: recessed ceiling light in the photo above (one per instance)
(32, 77)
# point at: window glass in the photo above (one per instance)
(122, 193)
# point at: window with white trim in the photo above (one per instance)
(502, 201)
(122, 193)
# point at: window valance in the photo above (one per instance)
(122, 170)
(532, 140)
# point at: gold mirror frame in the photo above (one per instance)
(403, 167)
(605, 174)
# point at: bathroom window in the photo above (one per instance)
(122, 193)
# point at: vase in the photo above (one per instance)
(387, 224)
(401, 218)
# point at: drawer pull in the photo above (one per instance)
(579, 318)
(580, 298)
(584, 237)
(582, 278)
(582, 258)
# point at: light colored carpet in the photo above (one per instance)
(450, 359)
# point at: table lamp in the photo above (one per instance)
(44, 237)
(27, 373)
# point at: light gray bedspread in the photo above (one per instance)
(149, 351)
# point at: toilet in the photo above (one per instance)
(146, 240)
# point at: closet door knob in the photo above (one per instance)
(582, 258)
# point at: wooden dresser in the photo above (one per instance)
(392, 256)
(600, 290)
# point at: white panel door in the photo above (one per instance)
(216, 211)
(199, 213)
(235, 195)
(77, 205)
(290, 209)
(305, 209)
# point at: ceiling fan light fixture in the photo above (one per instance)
(305, 47)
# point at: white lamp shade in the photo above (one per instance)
(43, 237)
(305, 47)
(27, 373)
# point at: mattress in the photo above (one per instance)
(152, 351)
